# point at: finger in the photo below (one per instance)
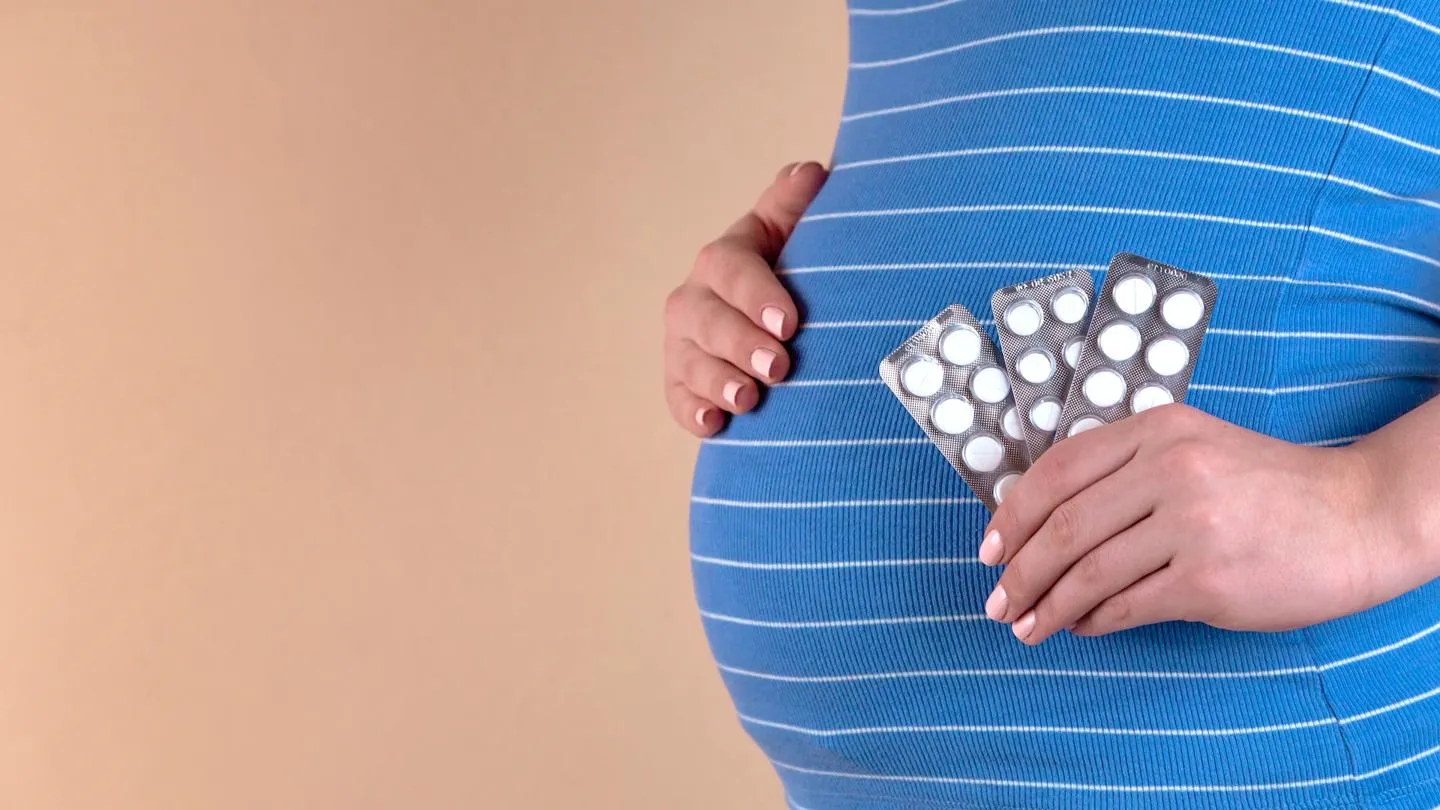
(739, 265)
(1065, 470)
(699, 416)
(780, 207)
(723, 332)
(711, 378)
(1108, 569)
(747, 283)
(1074, 529)
(1151, 600)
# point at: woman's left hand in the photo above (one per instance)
(1174, 514)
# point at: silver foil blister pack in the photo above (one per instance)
(1042, 326)
(949, 377)
(1146, 328)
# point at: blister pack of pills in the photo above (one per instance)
(1144, 339)
(1042, 326)
(949, 377)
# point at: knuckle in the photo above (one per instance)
(1065, 528)
(727, 276)
(1175, 417)
(677, 305)
(1117, 611)
(717, 265)
(710, 255)
(729, 337)
(1052, 476)
(1090, 570)
(1190, 460)
(1205, 519)
(1185, 415)
(695, 369)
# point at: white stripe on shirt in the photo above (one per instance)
(1141, 153)
(1394, 12)
(890, 12)
(1106, 210)
(1118, 731)
(1118, 788)
(862, 504)
(1143, 93)
(1154, 32)
(827, 624)
(831, 565)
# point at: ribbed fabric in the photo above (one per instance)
(1289, 150)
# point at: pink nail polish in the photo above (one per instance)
(700, 415)
(995, 605)
(731, 393)
(1024, 626)
(774, 320)
(991, 549)
(762, 360)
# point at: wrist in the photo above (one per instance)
(1396, 526)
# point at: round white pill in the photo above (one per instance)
(989, 385)
(1119, 340)
(1072, 351)
(983, 453)
(1182, 309)
(1134, 294)
(1167, 356)
(922, 377)
(953, 415)
(1035, 366)
(1150, 396)
(1104, 387)
(1010, 423)
(1024, 317)
(1002, 487)
(1069, 305)
(960, 345)
(1045, 413)
(1083, 424)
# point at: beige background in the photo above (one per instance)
(334, 470)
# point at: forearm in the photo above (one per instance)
(1405, 472)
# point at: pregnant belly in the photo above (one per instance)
(833, 547)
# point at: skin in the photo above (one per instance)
(1169, 515)
(725, 326)
(1177, 515)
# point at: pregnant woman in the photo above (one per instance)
(1228, 603)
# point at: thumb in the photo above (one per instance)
(768, 225)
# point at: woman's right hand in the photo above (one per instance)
(725, 326)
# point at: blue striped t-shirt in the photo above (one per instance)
(1291, 151)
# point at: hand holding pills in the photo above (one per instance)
(1115, 507)
(725, 325)
(1174, 514)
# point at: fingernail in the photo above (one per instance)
(1022, 628)
(762, 360)
(774, 320)
(700, 415)
(731, 392)
(991, 550)
(794, 170)
(995, 605)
